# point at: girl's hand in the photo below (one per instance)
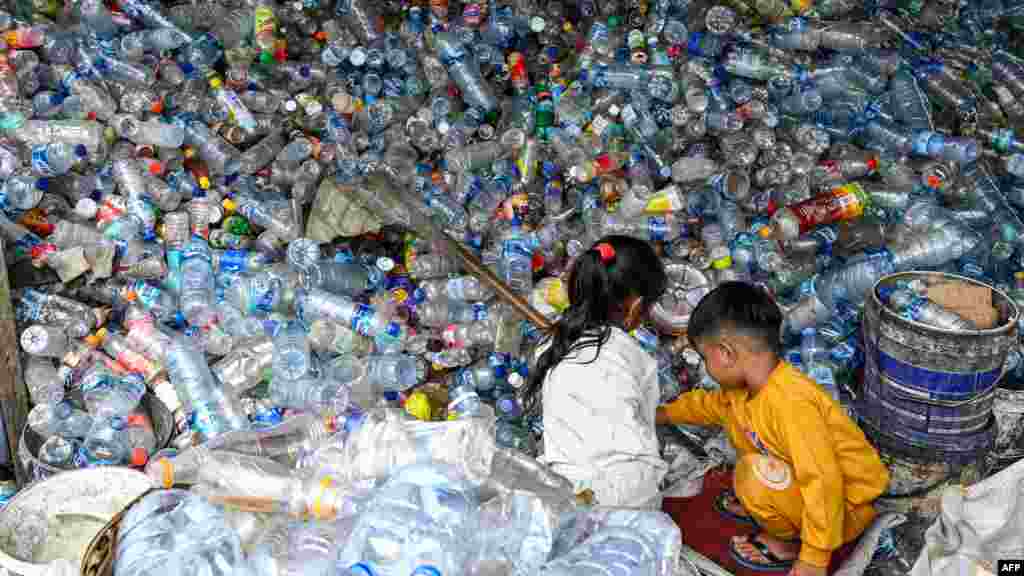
(661, 417)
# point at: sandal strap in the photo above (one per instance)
(766, 552)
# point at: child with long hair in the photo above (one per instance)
(595, 387)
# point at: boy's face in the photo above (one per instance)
(722, 361)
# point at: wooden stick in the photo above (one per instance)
(485, 275)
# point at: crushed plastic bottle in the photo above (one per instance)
(259, 208)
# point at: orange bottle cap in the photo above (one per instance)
(139, 457)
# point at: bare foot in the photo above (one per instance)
(782, 550)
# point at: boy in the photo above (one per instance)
(805, 474)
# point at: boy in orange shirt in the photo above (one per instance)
(805, 474)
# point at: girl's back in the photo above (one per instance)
(595, 386)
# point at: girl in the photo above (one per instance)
(596, 388)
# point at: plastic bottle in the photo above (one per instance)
(366, 320)
(925, 311)
(107, 445)
(44, 385)
(210, 411)
(44, 341)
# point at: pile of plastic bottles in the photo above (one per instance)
(226, 196)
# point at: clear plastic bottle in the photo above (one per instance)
(45, 386)
(149, 132)
(439, 313)
(366, 320)
(347, 278)
(197, 283)
(44, 341)
(292, 354)
(107, 445)
(309, 393)
(332, 337)
(210, 411)
(56, 158)
(923, 310)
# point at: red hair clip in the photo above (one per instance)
(606, 252)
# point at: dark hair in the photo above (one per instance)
(737, 307)
(596, 288)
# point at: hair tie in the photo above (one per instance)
(605, 251)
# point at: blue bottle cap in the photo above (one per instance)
(81, 151)
(43, 184)
(693, 45)
(361, 569)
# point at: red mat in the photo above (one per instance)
(708, 532)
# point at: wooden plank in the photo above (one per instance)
(13, 392)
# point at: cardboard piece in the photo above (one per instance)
(956, 295)
(984, 317)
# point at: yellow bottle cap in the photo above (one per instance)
(11, 38)
(215, 83)
(418, 406)
(229, 205)
(204, 182)
(722, 263)
(765, 232)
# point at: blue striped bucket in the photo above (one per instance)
(929, 388)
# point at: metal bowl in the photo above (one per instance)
(36, 470)
(58, 517)
(686, 286)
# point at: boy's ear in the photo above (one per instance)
(728, 351)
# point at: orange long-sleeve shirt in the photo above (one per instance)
(794, 420)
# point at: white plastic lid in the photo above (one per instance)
(86, 208)
(215, 214)
(385, 264)
(291, 106)
(516, 380)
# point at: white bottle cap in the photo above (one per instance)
(516, 380)
(215, 213)
(86, 208)
(385, 264)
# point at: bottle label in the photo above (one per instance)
(658, 228)
(203, 418)
(41, 160)
(362, 320)
(264, 22)
(449, 338)
(234, 261)
(1001, 140)
(28, 310)
(137, 363)
(842, 203)
(665, 201)
(480, 311)
(263, 294)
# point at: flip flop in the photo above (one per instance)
(775, 564)
(720, 502)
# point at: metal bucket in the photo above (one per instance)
(36, 470)
(1008, 410)
(930, 389)
(58, 517)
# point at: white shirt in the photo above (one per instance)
(599, 422)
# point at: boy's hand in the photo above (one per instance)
(803, 569)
